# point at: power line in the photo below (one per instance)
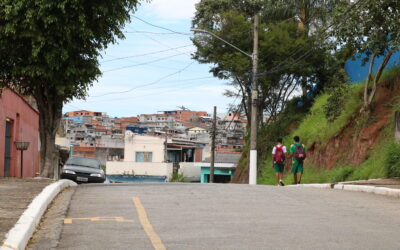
(150, 32)
(146, 54)
(154, 66)
(148, 84)
(144, 63)
(160, 27)
(158, 93)
(161, 43)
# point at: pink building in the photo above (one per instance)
(18, 122)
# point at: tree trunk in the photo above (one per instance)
(370, 94)
(303, 17)
(378, 76)
(50, 109)
(367, 81)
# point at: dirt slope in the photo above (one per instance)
(353, 144)
(355, 141)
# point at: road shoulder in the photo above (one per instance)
(48, 233)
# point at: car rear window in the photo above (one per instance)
(81, 161)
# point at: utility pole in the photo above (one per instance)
(214, 131)
(254, 102)
(254, 97)
(166, 144)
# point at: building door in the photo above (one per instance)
(7, 152)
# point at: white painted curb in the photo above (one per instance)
(19, 235)
(316, 185)
(356, 188)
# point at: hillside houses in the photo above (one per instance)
(98, 132)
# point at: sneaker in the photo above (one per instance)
(281, 183)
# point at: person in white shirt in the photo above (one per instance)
(278, 161)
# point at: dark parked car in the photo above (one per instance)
(83, 169)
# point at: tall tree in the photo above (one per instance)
(279, 38)
(307, 13)
(371, 30)
(50, 49)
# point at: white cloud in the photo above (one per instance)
(173, 9)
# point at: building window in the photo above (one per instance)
(144, 156)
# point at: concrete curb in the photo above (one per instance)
(356, 188)
(19, 235)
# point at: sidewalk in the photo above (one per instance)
(388, 183)
(15, 196)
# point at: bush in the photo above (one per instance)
(392, 160)
(341, 174)
(335, 103)
(176, 177)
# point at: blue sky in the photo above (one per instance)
(159, 81)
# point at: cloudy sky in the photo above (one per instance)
(152, 70)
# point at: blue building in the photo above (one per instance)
(358, 72)
(137, 129)
(75, 119)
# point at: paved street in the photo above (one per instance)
(198, 216)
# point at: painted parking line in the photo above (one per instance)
(148, 228)
(117, 219)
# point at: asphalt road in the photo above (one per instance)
(204, 216)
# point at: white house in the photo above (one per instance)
(144, 148)
(144, 155)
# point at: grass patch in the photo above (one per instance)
(311, 174)
(392, 160)
(176, 177)
(315, 126)
(389, 73)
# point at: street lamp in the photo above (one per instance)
(22, 146)
(254, 96)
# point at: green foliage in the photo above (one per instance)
(338, 93)
(176, 177)
(374, 166)
(311, 175)
(279, 35)
(376, 20)
(392, 160)
(371, 30)
(340, 174)
(54, 45)
(384, 159)
(317, 128)
(50, 49)
(335, 104)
